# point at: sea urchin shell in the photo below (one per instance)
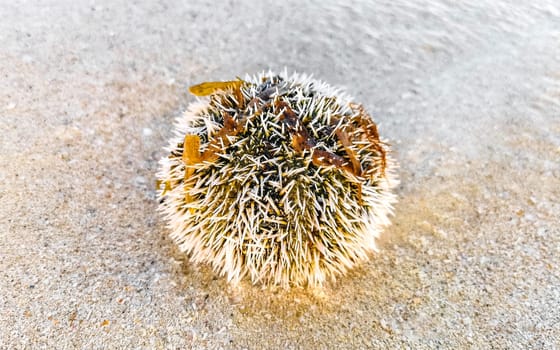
(280, 178)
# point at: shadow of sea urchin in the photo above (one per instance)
(282, 178)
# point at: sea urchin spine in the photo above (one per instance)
(281, 178)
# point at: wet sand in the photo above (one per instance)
(469, 95)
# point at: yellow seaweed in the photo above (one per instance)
(207, 88)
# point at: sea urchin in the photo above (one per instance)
(281, 178)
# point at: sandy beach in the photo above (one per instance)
(468, 93)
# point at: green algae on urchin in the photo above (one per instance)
(280, 178)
